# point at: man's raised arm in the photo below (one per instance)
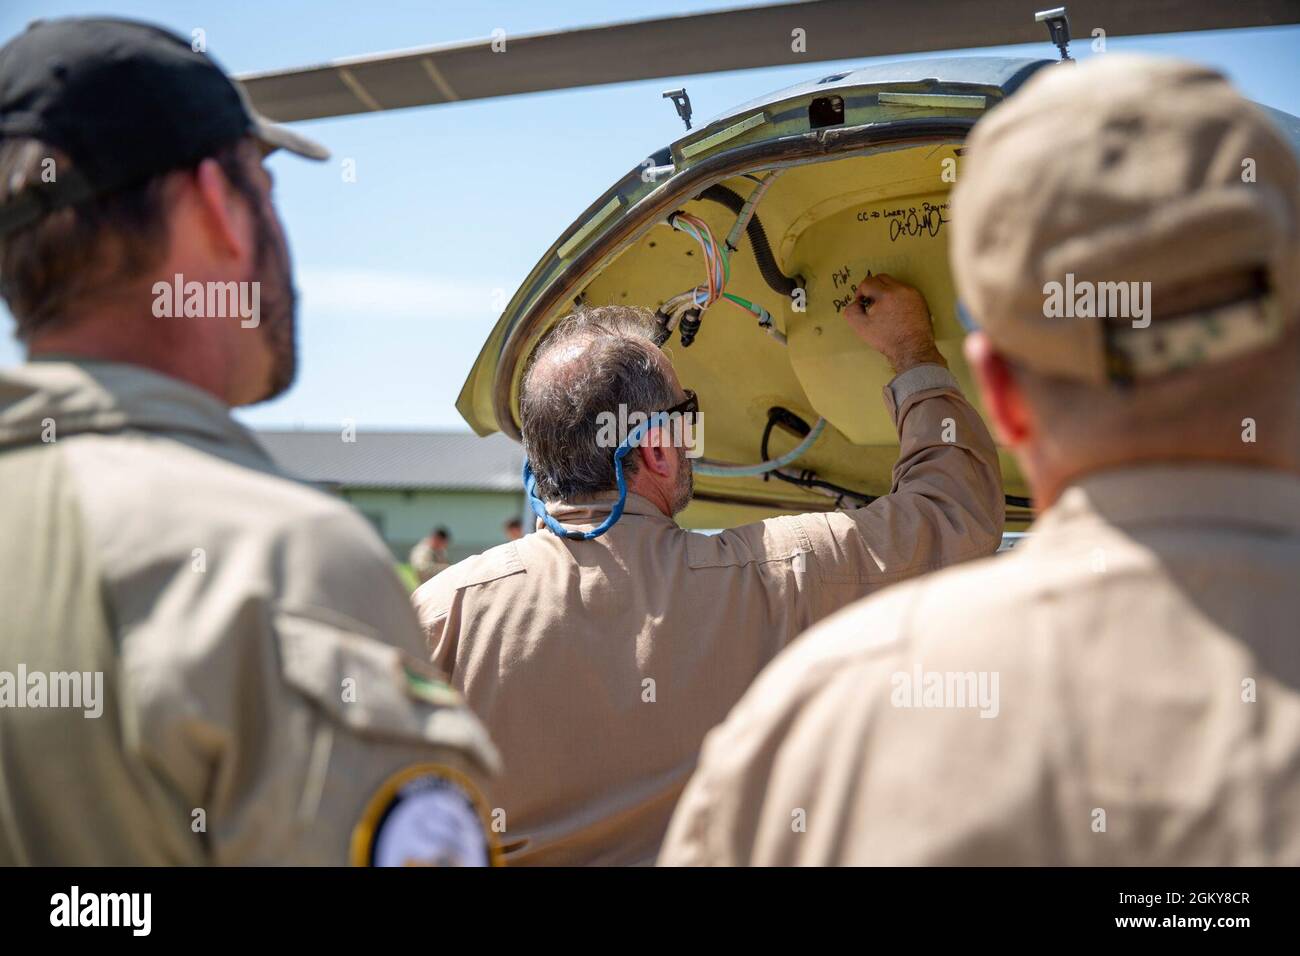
(946, 502)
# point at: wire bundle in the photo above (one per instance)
(717, 272)
(717, 267)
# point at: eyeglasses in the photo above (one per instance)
(690, 406)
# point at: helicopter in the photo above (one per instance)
(747, 235)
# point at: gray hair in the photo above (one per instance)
(593, 361)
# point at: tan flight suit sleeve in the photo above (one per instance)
(437, 606)
(282, 699)
(945, 505)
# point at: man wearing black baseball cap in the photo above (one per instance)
(103, 124)
(126, 101)
(211, 663)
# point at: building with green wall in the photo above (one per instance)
(408, 482)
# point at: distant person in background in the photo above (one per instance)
(429, 556)
(514, 529)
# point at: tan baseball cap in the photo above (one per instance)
(1095, 198)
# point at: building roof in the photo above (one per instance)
(442, 460)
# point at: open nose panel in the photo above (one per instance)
(828, 225)
(816, 186)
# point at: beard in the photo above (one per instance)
(279, 302)
(685, 489)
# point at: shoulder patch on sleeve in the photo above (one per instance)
(373, 688)
(425, 815)
(425, 683)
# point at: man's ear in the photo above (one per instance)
(1004, 399)
(657, 455)
(223, 213)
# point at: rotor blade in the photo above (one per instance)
(734, 39)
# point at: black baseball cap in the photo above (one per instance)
(125, 101)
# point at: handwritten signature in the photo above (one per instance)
(912, 223)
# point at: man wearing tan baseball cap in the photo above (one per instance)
(1124, 687)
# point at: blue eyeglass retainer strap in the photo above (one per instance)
(539, 506)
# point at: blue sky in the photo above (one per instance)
(403, 272)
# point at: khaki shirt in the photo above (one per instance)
(263, 692)
(598, 666)
(1146, 648)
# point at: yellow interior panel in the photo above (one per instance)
(828, 222)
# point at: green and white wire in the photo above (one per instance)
(747, 210)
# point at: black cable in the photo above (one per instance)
(807, 479)
(777, 280)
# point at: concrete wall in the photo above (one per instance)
(474, 518)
